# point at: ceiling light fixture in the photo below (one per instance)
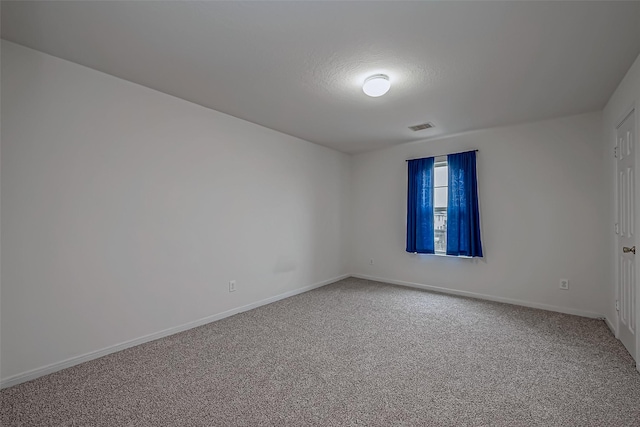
(376, 85)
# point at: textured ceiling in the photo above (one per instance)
(298, 67)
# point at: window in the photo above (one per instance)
(440, 190)
(442, 206)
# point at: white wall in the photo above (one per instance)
(126, 211)
(625, 98)
(541, 189)
(0, 208)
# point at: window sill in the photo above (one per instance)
(445, 255)
(454, 256)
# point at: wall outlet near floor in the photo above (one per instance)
(371, 261)
(564, 284)
(232, 285)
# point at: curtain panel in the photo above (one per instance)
(463, 216)
(420, 206)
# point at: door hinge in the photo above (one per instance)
(615, 151)
(617, 305)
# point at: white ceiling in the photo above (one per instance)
(298, 67)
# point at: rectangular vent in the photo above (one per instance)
(421, 127)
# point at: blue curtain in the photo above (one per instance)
(420, 206)
(463, 217)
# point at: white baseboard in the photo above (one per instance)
(611, 326)
(76, 360)
(547, 307)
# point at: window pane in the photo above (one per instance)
(441, 173)
(440, 230)
(440, 197)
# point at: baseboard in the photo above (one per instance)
(611, 326)
(76, 360)
(547, 307)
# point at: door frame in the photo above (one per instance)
(627, 111)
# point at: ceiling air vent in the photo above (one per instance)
(423, 126)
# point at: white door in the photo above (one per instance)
(625, 147)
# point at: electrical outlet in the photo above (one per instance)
(232, 286)
(371, 261)
(564, 284)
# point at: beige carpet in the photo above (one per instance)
(352, 353)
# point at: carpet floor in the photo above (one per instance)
(355, 352)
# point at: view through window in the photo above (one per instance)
(441, 196)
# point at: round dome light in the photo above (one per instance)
(376, 85)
